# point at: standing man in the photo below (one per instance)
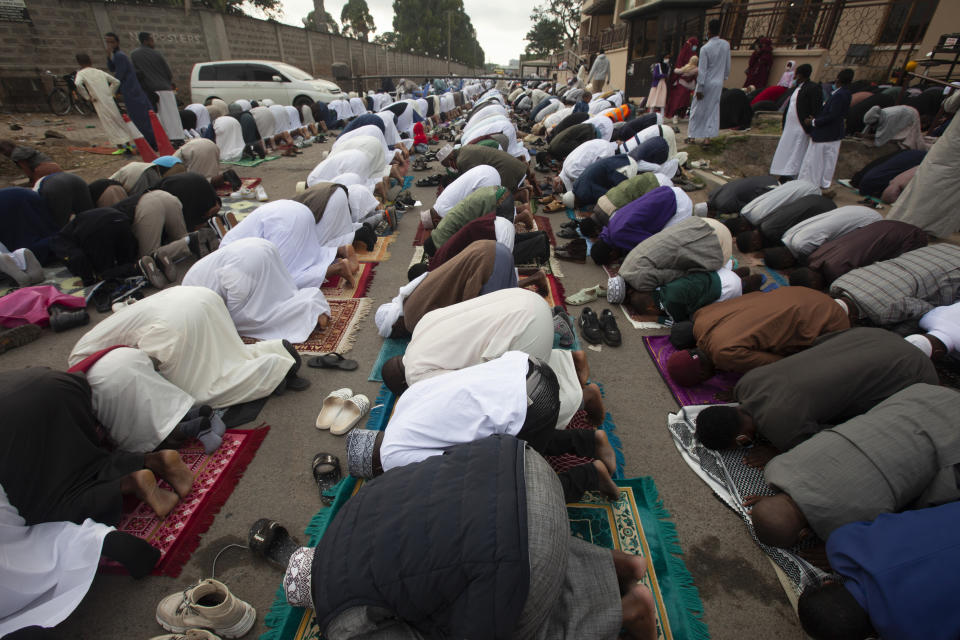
(805, 101)
(714, 69)
(157, 78)
(98, 87)
(827, 130)
(134, 99)
(599, 73)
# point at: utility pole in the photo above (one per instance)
(448, 42)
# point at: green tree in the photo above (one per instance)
(271, 8)
(566, 13)
(356, 20)
(332, 26)
(421, 26)
(545, 37)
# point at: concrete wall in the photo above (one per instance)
(62, 28)
(739, 60)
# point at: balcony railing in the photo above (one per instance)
(610, 38)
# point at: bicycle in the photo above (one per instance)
(64, 96)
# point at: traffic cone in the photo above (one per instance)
(164, 147)
(146, 151)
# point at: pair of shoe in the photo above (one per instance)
(574, 251)
(406, 199)
(342, 411)
(603, 329)
(63, 318)
(432, 181)
(32, 274)
(209, 605)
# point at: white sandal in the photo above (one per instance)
(353, 410)
(332, 405)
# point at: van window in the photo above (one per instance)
(231, 72)
(208, 72)
(263, 73)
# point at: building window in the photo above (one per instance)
(897, 18)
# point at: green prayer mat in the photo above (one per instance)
(250, 162)
(637, 523)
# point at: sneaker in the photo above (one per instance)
(62, 319)
(34, 270)
(152, 273)
(261, 193)
(189, 634)
(208, 605)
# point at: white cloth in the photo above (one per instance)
(600, 70)
(266, 123)
(99, 87)
(246, 105)
(362, 203)
(259, 292)
(731, 285)
(351, 140)
(793, 142)
(653, 131)
(47, 568)
(390, 134)
(458, 407)
(582, 157)
(169, 115)
(714, 67)
(342, 108)
(388, 314)
(556, 117)
(189, 331)
(478, 330)
(805, 237)
(787, 78)
(491, 110)
(358, 106)
(571, 393)
(447, 103)
(504, 231)
(290, 226)
(553, 107)
(229, 138)
(763, 205)
(944, 324)
(136, 405)
(603, 125)
(293, 116)
(405, 119)
(306, 115)
(335, 229)
(368, 164)
(497, 125)
(819, 163)
(281, 117)
(468, 182)
(203, 116)
(200, 155)
(684, 207)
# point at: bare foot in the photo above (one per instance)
(605, 452)
(581, 366)
(143, 484)
(639, 614)
(593, 404)
(630, 568)
(167, 464)
(539, 280)
(323, 321)
(607, 486)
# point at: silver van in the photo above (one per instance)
(232, 80)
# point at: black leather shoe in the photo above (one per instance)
(590, 326)
(609, 329)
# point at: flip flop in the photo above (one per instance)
(332, 405)
(270, 540)
(332, 360)
(326, 473)
(353, 410)
(554, 207)
(587, 295)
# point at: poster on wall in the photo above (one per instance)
(14, 11)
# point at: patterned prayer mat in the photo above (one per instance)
(637, 523)
(568, 461)
(224, 191)
(60, 278)
(336, 288)
(716, 390)
(556, 295)
(340, 334)
(215, 477)
(381, 251)
(542, 223)
(421, 235)
(733, 481)
(239, 208)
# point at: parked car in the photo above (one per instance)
(232, 80)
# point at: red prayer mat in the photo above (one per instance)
(215, 476)
(336, 288)
(340, 334)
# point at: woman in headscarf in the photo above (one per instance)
(657, 98)
(66, 194)
(760, 63)
(188, 120)
(483, 267)
(189, 332)
(198, 197)
(683, 80)
(106, 192)
(259, 292)
(201, 156)
(229, 137)
(216, 109)
(203, 117)
(99, 244)
(786, 80)
(25, 222)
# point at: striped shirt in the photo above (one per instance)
(904, 288)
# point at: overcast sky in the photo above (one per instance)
(500, 24)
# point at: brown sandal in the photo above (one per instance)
(554, 207)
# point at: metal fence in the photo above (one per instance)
(612, 37)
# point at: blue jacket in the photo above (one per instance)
(598, 178)
(581, 106)
(830, 124)
(442, 544)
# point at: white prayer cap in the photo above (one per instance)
(301, 187)
(920, 342)
(567, 199)
(700, 209)
(444, 152)
(426, 219)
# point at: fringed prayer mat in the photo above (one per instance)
(637, 523)
(542, 223)
(716, 390)
(733, 481)
(337, 288)
(215, 477)
(381, 251)
(391, 347)
(341, 332)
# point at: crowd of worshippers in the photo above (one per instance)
(870, 439)
(471, 324)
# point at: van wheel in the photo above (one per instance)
(300, 101)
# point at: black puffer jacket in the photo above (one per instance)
(442, 543)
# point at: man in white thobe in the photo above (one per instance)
(714, 69)
(98, 87)
(794, 140)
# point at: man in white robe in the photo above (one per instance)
(99, 87)
(794, 140)
(713, 71)
(469, 181)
